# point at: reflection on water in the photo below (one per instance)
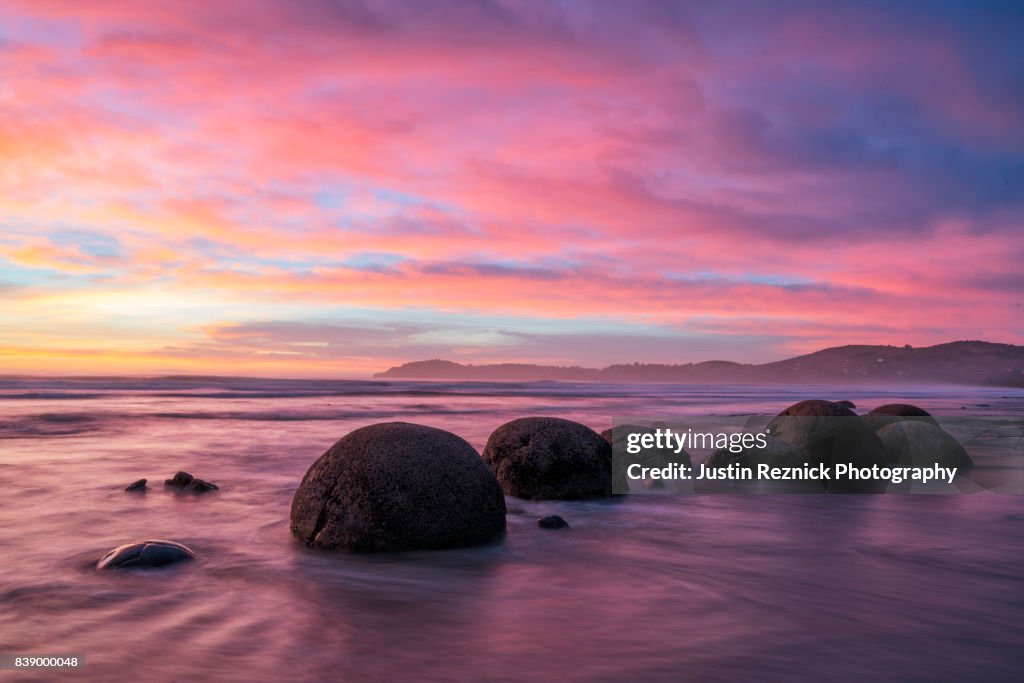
(663, 588)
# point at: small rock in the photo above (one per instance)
(145, 555)
(183, 481)
(846, 404)
(139, 485)
(552, 522)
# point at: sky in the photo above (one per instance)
(327, 189)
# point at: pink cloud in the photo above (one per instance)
(832, 174)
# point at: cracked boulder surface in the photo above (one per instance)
(398, 486)
(548, 458)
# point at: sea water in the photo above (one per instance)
(666, 588)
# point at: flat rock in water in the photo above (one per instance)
(145, 555)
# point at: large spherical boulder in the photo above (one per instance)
(883, 416)
(914, 443)
(550, 458)
(920, 444)
(145, 555)
(398, 486)
(831, 434)
(618, 437)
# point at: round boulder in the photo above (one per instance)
(832, 434)
(550, 458)
(818, 408)
(920, 444)
(398, 486)
(883, 416)
(145, 555)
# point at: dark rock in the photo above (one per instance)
(550, 458)
(145, 554)
(179, 480)
(647, 457)
(845, 404)
(882, 416)
(832, 434)
(920, 444)
(552, 522)
(398, 486)
(138, 485)
(183, 481)
(817, 408)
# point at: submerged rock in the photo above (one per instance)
(145, 555)
(183, 481)
(137, 485)
(552, 522)
(550, 458)
(831, 434)
(398, 486)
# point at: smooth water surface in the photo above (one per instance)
(709, 588)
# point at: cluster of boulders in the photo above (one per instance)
(829, 432)
(399, 486)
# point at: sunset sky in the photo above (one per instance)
(330, 188)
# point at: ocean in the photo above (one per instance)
(661, 588)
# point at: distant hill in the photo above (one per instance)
(962, 362)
